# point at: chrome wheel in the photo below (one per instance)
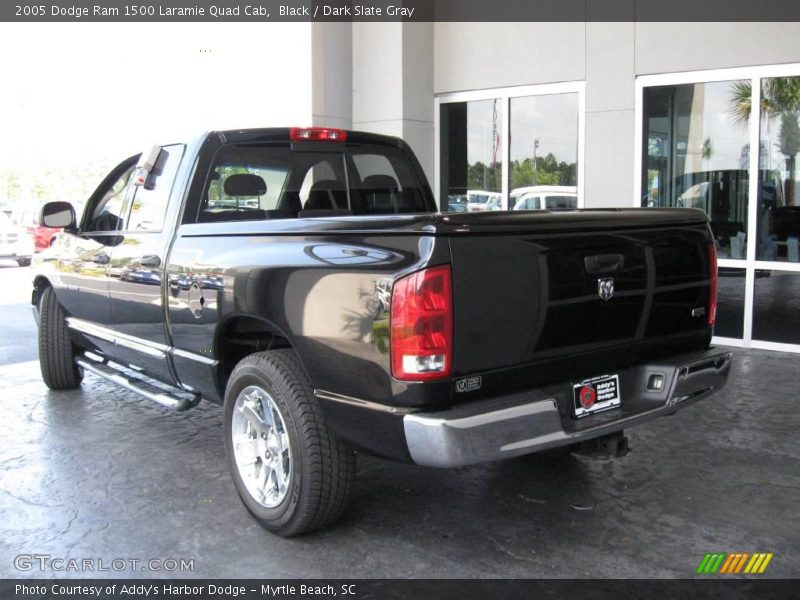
(261, 446)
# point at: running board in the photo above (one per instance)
(174, 401)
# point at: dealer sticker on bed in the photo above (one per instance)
(596, 395)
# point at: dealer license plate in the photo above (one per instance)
(596, 395)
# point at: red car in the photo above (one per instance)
(42, 236)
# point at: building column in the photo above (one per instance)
(392, 68)
(332, 74)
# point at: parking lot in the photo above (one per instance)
(100, 473)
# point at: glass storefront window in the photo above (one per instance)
(779, 192)
(730, 303)
(472, 156)
(543, 169)
(696, 155)
(776, 313)
(698, 149)
(511, 148)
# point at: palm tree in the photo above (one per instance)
(780, 97)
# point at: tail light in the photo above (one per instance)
(422, 325)
(317, 134)
(713, 280)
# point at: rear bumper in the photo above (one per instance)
(532, 421)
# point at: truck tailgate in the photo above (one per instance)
(535, 304)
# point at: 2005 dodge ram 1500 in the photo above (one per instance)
(303, 279)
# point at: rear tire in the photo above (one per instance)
(57, 353)
(290, 471)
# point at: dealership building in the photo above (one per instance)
(598, 114)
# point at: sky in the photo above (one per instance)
(75, 92)
(552, 119)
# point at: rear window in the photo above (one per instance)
(253, 182)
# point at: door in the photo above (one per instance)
(81, 279)
(136, 269)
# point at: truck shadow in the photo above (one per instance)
(535, 493)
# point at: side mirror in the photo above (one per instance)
(57, 214)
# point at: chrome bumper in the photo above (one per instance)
(529, 422)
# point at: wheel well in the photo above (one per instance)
(241, 337)
(39, 285)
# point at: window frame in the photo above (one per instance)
(750, 263)
(178, 157)
(505, 94)
(99, 194)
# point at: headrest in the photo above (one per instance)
(380, 182)
(327, 184)
(245, 184)
(327, 194)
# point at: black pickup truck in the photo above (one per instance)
(304, 279)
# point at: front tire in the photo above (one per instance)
(290, 471)
(57, 353)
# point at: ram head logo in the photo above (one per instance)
(605, 288)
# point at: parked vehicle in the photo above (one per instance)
(494, 203)
(545, 197)
(456, 203)
(15, 242)
(334, 311)
(42, 236)
(478, 200)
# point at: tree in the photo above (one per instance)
(708, 149)
(483, 177)
(780, 97)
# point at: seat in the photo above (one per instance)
(240, 185)
(380, 194)
(245, 185)
(328, 194)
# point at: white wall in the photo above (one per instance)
(393, 84)
(670, 47)
(473, 56)
(332, 74)
(608, 56)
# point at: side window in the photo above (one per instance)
(107, 213)
(150, 200)
(531, 203)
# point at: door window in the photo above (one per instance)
(149, 204)
(106, 213)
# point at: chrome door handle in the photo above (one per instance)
(101, 259)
